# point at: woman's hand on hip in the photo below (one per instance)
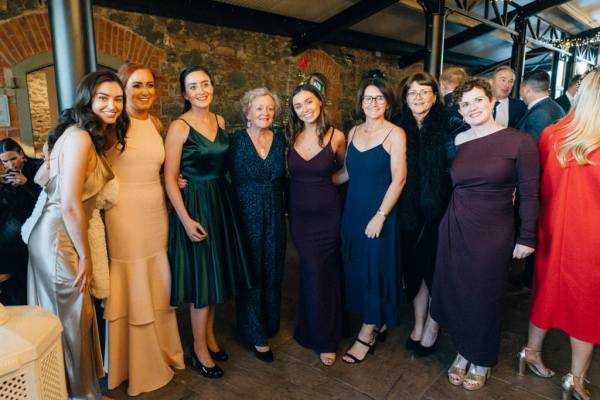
(83, 280)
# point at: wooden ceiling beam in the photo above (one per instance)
(339, 22)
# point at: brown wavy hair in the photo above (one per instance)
(296, 125)
(81, 114)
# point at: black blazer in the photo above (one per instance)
(516, 111)
(538, 117)
(564, 102)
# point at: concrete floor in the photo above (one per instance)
(391, 373)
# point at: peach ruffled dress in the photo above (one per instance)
(143, 338)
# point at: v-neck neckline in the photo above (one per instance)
(313, 157)
(254, 147)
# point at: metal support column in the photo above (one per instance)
(518, 53)
(435, 18)
(73, 47)
(570, 67)
(554, 78)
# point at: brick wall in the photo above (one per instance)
(239, 60)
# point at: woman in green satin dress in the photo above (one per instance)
(208, 261)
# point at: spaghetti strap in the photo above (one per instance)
(386, 136)
(330, 137)
(187, 123)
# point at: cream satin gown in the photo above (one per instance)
(53, 265)
(143, 338)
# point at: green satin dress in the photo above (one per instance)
(207, 272)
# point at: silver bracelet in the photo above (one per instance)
(384, 215)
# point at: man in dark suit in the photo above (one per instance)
(541, 109)
(567, 98)
(507, 111)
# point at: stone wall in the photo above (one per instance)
(239, 60)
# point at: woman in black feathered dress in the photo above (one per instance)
(430, 129)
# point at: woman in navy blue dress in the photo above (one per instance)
(315, 210)
(376, 169)
(257, 159)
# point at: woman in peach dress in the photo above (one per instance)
(143, 338)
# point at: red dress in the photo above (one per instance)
(566, 287)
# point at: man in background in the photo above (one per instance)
(541, 109)
(449, 80)
(568, 96)
(507, 111)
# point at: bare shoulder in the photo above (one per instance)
(157, 124)
(178, 130)
(397, 134)
(75, 136)
(220, 121)
(462, 137)
(338, 137)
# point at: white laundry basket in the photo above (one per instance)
(31, 355)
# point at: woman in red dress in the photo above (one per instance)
(567, 274)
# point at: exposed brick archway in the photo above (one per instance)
(29, 35)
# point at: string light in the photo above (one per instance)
(567, 43)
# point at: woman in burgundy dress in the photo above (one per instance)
(316, 151)
(477, 233)
(567, 277)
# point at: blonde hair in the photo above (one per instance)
(581, 136)
(453, 76)
(250, 95)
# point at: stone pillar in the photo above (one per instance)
(518, 53)
(435, 19)
(73, 47)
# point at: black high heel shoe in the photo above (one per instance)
(411, 345)
(422, 351)
(356, 360)
(381, 334)
(219, 355)
(265, 356)
(208, 372)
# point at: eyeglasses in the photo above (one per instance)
(422, 93)
(369, 99)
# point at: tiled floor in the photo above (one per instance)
(391, 373)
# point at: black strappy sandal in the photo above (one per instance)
(371, 347)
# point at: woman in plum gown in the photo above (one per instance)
(476, 238)
(316, 151)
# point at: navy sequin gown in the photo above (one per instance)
(259, 189)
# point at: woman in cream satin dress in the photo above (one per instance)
(60, 266)
(143, 338)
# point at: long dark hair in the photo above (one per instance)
(296, 125)
(385, 89)
(188, 70)
(81, 114)
(9, 144)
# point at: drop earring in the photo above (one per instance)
(248, 123)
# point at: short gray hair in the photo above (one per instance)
(250, 95)
(504, 68)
